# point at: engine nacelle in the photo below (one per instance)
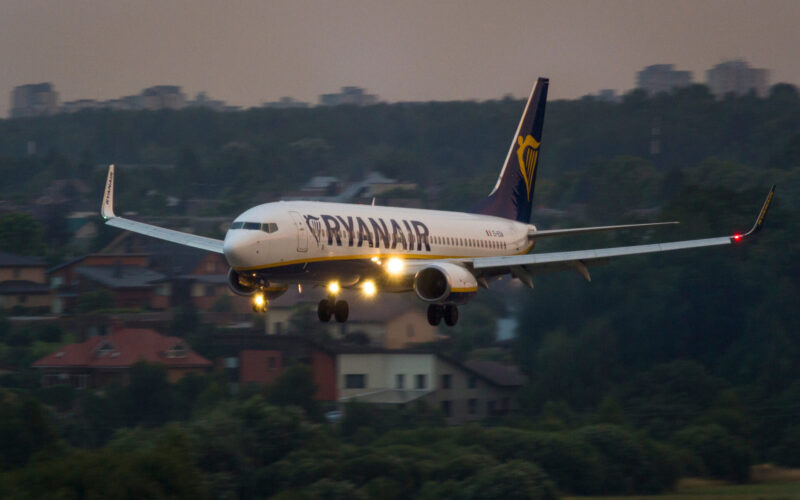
(241, 285)
(445, 283)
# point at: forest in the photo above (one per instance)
(662, 367)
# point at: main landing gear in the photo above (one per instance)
(339, 309)
(437, 311)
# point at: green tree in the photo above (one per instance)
(21, 234)
(295, 387)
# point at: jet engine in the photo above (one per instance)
(445, 283)
(241, 285)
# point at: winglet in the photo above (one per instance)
(759, 221)
(107, 206)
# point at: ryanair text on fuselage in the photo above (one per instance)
(373, 232)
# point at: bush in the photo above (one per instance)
(723, 456)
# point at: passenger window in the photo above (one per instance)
(237, 225)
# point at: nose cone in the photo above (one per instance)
(240, 248)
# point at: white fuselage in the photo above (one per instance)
(285, 238)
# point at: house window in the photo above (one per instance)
(355, 381)
(473, 382)
(472, 406)
(177, 351)
(422, 381)
(210, 290)
(400, 381)
(490, 406)
(17, 272)
(446, 408)
(278, 327)
(105, 348)
(447, 381)
(271, 363)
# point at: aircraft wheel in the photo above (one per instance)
(341, 310)
(435, 314)
(324, 311)
(450, 314)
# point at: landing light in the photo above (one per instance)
(369, 288)
(258, 299)
(395, 266)
(333, 287)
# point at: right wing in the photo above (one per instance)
(522, 266)
(188, 239)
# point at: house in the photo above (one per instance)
(119, 273)
(101, 360)
(390, 321)
(255, 358)
(23, 284)
(463, 391)
(188, 274)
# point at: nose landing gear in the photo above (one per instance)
(260, 303)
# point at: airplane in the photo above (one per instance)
(441, 256)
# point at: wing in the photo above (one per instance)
(522, 266)
(533, 233)
(188, 239)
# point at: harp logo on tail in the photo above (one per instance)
(527, 154)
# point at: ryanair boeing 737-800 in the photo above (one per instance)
(442, 256)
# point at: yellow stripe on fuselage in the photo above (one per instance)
(370, 256)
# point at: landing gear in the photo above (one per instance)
(436, 312)
(451, 314)
(324, 311)
(332, 307)
(341, 310)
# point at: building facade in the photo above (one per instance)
(738, 78)
(662, 78)
(34, 99)
(23, 284)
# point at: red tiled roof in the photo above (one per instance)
(122, 349)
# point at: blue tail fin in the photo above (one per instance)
(512, 196)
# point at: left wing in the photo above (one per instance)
(188, 239)
(522, 266)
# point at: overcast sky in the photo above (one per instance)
(249, 51)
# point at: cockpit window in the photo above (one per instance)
(267, 227)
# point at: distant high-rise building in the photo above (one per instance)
(202, 100)
(163, 97)
(608, 95)
(349, 95)
(286, 102)
(662, 78)
(34, 99)
(738, 78)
